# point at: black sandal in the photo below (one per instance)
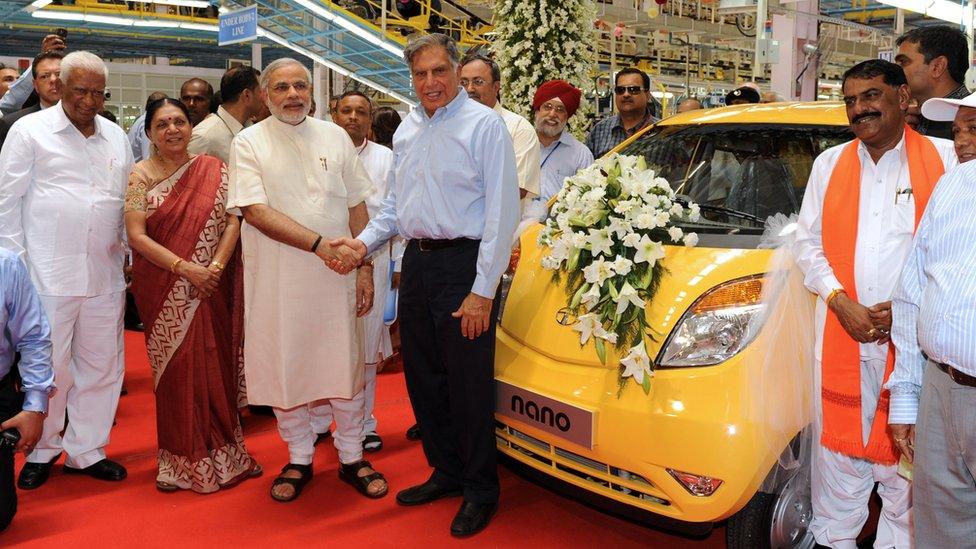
(296, 483)
(349, 473)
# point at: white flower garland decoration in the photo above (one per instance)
(543, 40)
(606, 235)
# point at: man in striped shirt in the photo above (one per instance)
(933, 327)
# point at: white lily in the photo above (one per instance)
(600, 242)
(592, 297)
(602, 333)
(586, 324)
(626, 297)
(598, 272)
(637, 364)
(648, 251)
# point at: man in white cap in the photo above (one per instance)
(933, 385)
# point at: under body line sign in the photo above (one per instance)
(238, 26)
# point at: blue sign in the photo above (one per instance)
(238, 26)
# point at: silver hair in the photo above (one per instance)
(431, 40)
(82, 60)
(278, 64)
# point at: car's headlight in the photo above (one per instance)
(717, 326)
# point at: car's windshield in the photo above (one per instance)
(739, 174)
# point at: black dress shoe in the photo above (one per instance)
(102, 470)
(413, 433)
(426, 493)
(33, 475)
(472, 518)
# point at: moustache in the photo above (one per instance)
(861, 116)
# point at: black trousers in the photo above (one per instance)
(450, 379)
(11, 402)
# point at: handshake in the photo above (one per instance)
(342, 255)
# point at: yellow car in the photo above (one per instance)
(695, 450)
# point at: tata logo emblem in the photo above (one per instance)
(565, 317)
(557, 418)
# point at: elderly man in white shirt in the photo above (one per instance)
(242, 100)
(61, 196)
(481, 78)
(861, 206)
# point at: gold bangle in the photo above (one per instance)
(219, 265)
(834, 294)
(172, 267)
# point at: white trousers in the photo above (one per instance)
(295, 425)
(87, 352)
(841, 486)
(322, 421)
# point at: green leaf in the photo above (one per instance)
(614, 294)
(646, 385)
(573, 261)
(601, 350)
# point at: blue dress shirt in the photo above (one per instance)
(561, 159)
(934, 306)
(24, 329)
(453, 177)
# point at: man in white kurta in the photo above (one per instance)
(354, 114)
(842, 484)
(298, 181)
(64, 176)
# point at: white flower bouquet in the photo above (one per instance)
(606, 234)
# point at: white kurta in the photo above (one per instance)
(378, 161)
(302, 338)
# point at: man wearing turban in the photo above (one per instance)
(562, 154)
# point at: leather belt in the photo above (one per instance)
(957, 376)
(431, 244)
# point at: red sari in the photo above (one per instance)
(194, 345)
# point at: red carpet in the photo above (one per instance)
(83, 512)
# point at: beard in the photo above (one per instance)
(290, 118)
(548, 130)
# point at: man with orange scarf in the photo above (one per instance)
(861, 207)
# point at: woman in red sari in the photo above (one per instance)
(185, 276)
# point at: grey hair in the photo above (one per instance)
(434, 39)
(279, 64)
(82, 60)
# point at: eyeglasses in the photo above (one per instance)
(552, 107)
(283, 87)
(478, 82)
(632, 90)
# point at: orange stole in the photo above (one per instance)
(841, 358)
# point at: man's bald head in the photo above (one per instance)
(690, 104)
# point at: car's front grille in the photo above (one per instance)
(600, 477)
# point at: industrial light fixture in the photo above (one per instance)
(182, 3)
(938, 9)
(319, 10)
(121, 21)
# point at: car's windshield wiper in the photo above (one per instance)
(685, 200)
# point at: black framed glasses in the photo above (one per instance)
(632, 90)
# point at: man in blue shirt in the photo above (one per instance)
(454, 196)
(554, 103)
(23, 329)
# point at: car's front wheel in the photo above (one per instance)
(775, 521)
